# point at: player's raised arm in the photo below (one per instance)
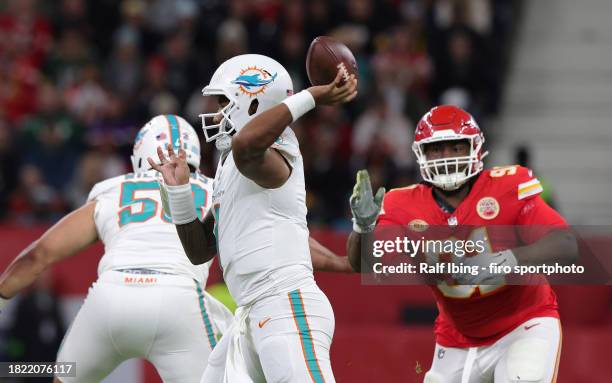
(323, 259)
(196, 236)
(72, 234)
(365, 208)
(251, 146)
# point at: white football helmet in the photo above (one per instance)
(160, 131)
(243, 80)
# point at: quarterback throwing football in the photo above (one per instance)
(284, 323)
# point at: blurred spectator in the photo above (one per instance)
(26, 34)
(87, 99)
(91, 170)
(8, 167)
(163, 103)
(403, 71)
(155, 97)
(292, 46)
(114, 129)
(69, 58)
(114, 132)
(328, 134)
(523, 158)
(26, 39)
(319, 18)
(33, 199)
(133, 25)
(375, 15)
(73, 14)
(123, 72)
(165, 16)
(18, 82)
(182, 68)
(461, 68)
(38, 310)
(231, 40)
(51, 139)
(380, 131)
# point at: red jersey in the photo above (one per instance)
(479, 315)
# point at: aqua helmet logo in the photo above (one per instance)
(253, 80)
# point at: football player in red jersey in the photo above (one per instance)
(484, 332)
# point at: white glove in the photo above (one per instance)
(486, 263)
(364, 206)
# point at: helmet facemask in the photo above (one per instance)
(224, 127)
(452, 172)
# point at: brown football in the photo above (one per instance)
(325, 56)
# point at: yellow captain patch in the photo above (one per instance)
(529, 188)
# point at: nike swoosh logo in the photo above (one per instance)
(530, 326)
(263, 322)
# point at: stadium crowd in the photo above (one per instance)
(78, 78)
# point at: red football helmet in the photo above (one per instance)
(449, 123)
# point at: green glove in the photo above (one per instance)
(364, 206)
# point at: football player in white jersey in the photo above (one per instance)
(149, 300)
(284, 324)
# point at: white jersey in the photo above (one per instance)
(136, 231)
(262, 237)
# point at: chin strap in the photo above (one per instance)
(224, 143)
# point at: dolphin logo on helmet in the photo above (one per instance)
(250, 81)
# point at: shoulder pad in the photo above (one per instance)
(106, 186)
(394, 196)
(519, 178)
